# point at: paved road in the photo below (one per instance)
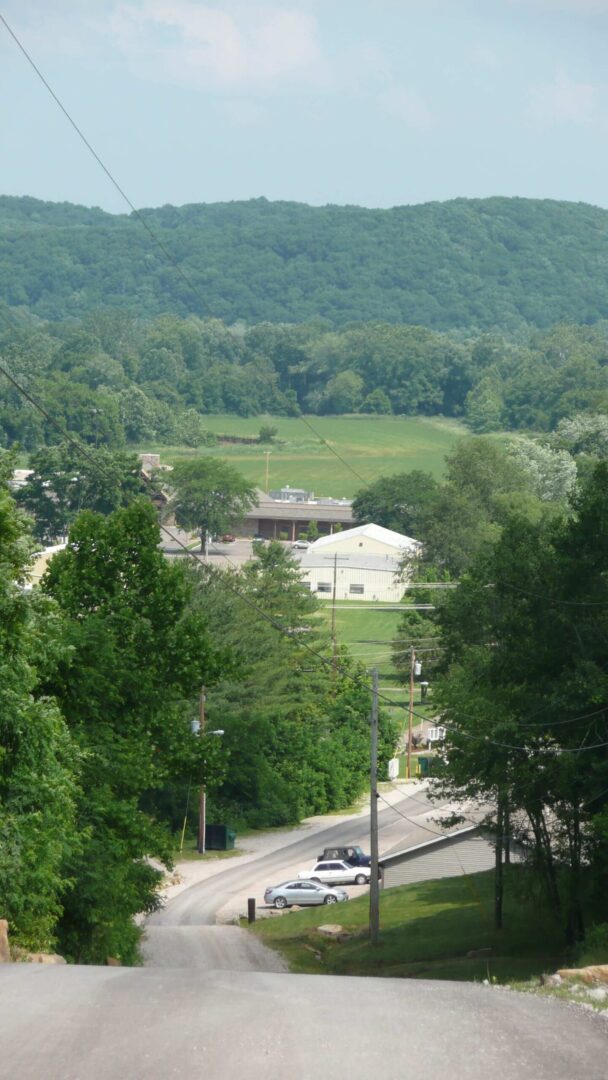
(184, 933)
(82, 1023)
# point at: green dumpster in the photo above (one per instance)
(219, 838)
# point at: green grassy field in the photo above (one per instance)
(371, 445)
(427, 929)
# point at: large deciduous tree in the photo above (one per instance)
(64, 481)
(39, 761)
(210, 496)
(137, 654)
(525, 692)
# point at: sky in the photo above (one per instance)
(376, 103)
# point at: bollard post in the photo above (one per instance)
(251, 909)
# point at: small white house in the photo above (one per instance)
(365, 563)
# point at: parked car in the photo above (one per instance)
(228, 538)
(352, 854)
(337, 872)
(301, 544)
(302, 893)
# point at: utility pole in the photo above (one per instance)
(374, 888)
(333, 625)
(410, 718)
(267, 454)
(202, 797)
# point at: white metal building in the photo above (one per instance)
(365, 563)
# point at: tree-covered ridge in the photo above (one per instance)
(484, 263)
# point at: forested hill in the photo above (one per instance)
(482, 263)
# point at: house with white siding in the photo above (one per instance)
(364, 563)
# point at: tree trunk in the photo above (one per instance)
(498, 875)
(204, 541)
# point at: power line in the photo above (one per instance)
(260, 611)
(190, 284)
(140, 217)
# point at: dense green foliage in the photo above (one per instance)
(486, 263)
(209, 496)
(524, 693)
(39, 760)
(135, 654)
(64, 481)
(114, 380)
(296, 731)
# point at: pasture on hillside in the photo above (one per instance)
(372, 446)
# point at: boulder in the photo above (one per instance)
(595, 973)
(5, 953)
(551, 980)
(111, 961)
(330, 930)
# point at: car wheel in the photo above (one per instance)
(280, 902)
(330, 900)
(360, 879)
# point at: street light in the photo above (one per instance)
(198, 728)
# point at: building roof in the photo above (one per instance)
(311, 560)
(373, 532)
(418, 848)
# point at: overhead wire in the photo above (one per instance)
(142, 220)
(82, 449)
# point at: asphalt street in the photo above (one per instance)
(183, 934)
(79, 1023)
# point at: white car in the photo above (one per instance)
(301, 545)
(334, 872)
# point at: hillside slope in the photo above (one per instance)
(484, 263)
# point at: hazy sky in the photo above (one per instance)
(374, 102)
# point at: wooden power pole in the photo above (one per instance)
(410, 719)
(202, 797)
(374, 887)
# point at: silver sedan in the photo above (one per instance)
(302, 893)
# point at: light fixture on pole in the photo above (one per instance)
(198, 728)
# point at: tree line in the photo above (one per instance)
(516, 653)
(113, 379)
(498, 263)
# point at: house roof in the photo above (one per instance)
(373, 532)
(417, 848)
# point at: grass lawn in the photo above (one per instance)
(372, 446)
(427, 929)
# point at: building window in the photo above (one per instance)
(324, 586)
(358, 589)
(436, 734)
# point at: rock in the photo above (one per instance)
(597, 993)
(44, 958)
(479, 954)
(296, 907)
(596, 973)
(111, 961)
(330, 930)
(5, 953)
(551, 980)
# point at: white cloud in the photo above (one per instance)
(564, 101)
(231, 47)
(408, 106)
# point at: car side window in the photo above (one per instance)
(323, 866)
(336, 866)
